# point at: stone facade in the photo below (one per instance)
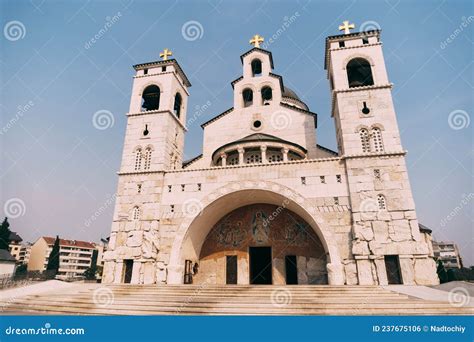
(263, 151)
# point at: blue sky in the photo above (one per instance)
(60, 169)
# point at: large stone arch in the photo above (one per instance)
(197, 223)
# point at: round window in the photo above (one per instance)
(257, 124)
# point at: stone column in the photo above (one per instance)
(136, 270)
(381, 270)
(241, 155)
(224, 159)
(108, 273)
(364, 272)
(263, 150)
(335, 274)
(118, 272)
(285, 151)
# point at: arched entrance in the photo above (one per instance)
(262, 244)
(195, 228)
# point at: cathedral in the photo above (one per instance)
(265, 203)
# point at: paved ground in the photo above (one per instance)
(457, 291)
(456, 284)
(43, 287)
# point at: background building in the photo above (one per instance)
(75, 256)
(7, 264)
(448, 253)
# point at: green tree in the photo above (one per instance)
(21, 270)
(442, 274)
(53, 261)
(91, 272)
(5, 234)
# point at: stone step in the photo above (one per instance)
(214, 292)
(250, 302)
(354, 299)
(249, 287)
(134, 310)
(250, 293)
(211, 301)
(232, 300)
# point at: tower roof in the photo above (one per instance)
(165, 63)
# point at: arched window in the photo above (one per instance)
(256, 67)
(377, 139)
(381, 202)
(138, 159)
(266, 95)
(364, 140)
(136, 213)
(177, 104)
(151, 98)
(247, 95)
(147, 158)
(359, 73)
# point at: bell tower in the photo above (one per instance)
(386, 242)
(156, 124)
(154, 142)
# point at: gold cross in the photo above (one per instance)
(346, 27)
(256, 40)
(164, 55)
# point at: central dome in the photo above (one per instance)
(290, 94)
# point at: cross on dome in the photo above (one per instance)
(346, 27)
(256, 40)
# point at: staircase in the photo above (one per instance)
(128, 299)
